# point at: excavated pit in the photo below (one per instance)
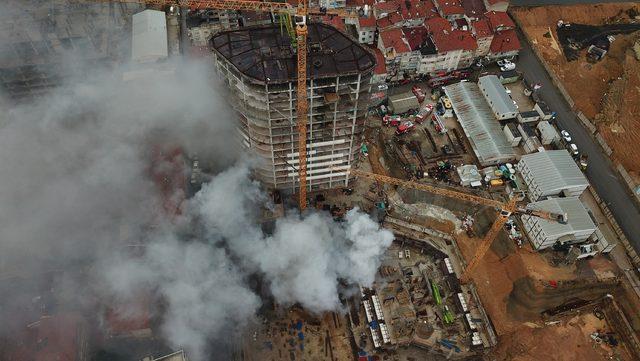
(529, 298)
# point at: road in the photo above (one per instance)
(600, 172)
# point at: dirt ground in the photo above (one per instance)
(513, 284)
(596, 88)
(531, 341)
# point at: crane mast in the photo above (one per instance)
(301, 105)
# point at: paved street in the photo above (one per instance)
(600, 172)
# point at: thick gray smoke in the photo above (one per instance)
(303, 258)
(75, 190)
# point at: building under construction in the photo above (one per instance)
(259, 66)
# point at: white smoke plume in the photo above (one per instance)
(304, 257)
(75, 190)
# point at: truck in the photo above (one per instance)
(423, 113)
(404, 103)
(405, 127)
(438, 123)
(391, 120)
(419, 93)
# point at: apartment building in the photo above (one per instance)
(259, 67)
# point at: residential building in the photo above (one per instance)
(505, 41)
(335, 21)
(449, 9)
(496, 95)
(484, 36)
(261, 74)
(473, 9)
(551, 173)
(61, 337)
(484, 132)
(496, 5)
(385, 8)
(499, 21)
(417, 39)
(448, 49)
(545, 233)
(505, 44)
(396, 50)
(366, 29)
(332, 4)
(255, 18)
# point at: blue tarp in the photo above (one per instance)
(373, 324)
(300, 335)
(299, 325)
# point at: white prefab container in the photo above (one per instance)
(548, 133)
(513, 134)
(528, 117)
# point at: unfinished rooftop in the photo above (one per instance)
(265, 53)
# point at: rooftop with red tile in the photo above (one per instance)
(387, 6)
(356, 3)
(395, 18)
(474, 8)
(482, 28)
(416, 36)
(381, 67)
(367, 22)
(505, 41)
(450, 7)
(438, 25)
(335, 21)
(499, 19)
(384, 23)
(420, 9)
(454, 40)
(394, 38)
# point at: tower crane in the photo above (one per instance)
(300, 14)
(505, 210)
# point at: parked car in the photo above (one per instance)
(506, 65)
(573, 149)
(419, 93)
(391, 120)
(405, 127)
(565, 136)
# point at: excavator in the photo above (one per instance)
(505, 210)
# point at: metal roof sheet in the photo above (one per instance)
(578, 219)
(479, 124)
(496, 94)
(149, 36)
(554, 170)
